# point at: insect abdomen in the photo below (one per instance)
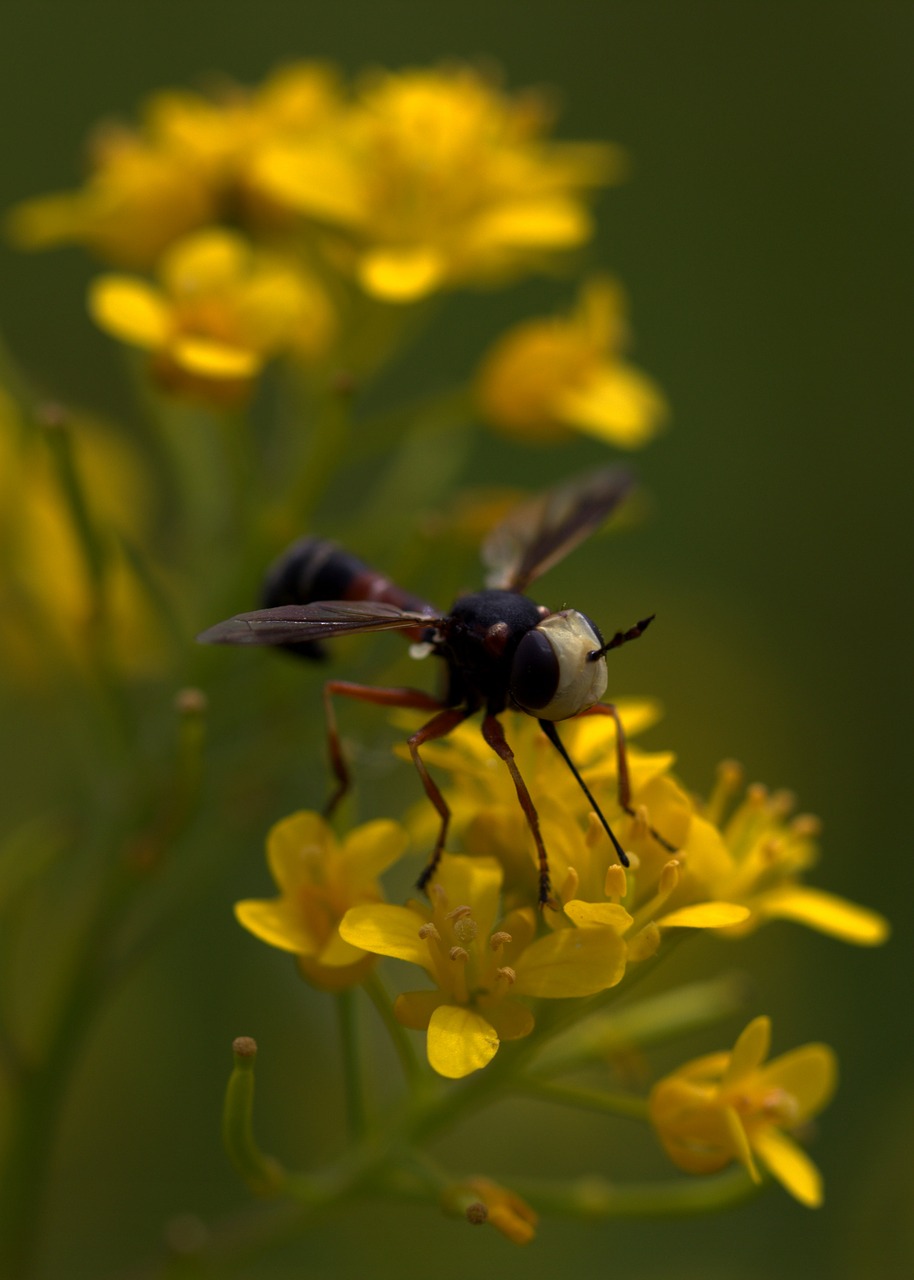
(317, 569)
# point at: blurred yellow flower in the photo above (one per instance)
(222, 310)
(48, 606)
(188, 163)
(478, 968)
(438, 178)
(319, 880)
(548, 377)
(735, 1106)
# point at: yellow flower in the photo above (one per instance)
(319, 880)
(48, 607)
(188, 163)
(222, 310)
(437, 178)
(479, 969)
(756, 854)
(547, 377)
(734, 1106)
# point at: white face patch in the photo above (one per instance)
(581, 682)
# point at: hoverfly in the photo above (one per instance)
(500, 649)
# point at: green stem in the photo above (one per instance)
(262, 1173)
(347, 1020)
(613, 1104)
(597, 1199)
(402, 1043)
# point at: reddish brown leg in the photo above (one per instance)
(438, 727)
(625, 785)
(495, 737)
(406, 698)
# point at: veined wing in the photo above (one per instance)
(541, 532)
(322, 620)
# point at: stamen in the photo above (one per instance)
(459, 953)
(806, 826)
(428, 933)
(616, 885)
(506, 974)
(499, 940)
(458, 913)
(729, 781)
(669, 878)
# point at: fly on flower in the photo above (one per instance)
(500, 648)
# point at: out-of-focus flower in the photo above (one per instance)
(49, 608)
(735, 1106)
(319, 880)
(438, 179)
(222, 310)
(188, 163)
(548, 377)
(479, 969)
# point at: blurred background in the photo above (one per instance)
(764, 241)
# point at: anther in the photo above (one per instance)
(459, 953)
(507, 973)
(616, 884)
(806, 825)
(428, 933)
(499, 940)
(669, 877)
(458, 913)
(477, 1213)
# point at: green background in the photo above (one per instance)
(764, 239)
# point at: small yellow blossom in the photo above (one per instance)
(437, 178)
(480, 969)
(189, 162)
(735, 1106)
(548, 377)
(319, 880)
(221, 311)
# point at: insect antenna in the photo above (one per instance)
(548, 727)
(621, 637)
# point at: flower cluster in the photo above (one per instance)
(265, 214)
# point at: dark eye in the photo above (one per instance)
(534, 672)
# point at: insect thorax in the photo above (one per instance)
(479, 639)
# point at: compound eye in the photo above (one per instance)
(566, 681)
(534, 672)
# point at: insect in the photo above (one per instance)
(501, 650)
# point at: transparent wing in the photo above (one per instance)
(322, 620)
(541, 532)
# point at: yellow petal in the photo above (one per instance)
(827, 913)
(808, 1074)
(459, 1041)
(740, 1141)
(472, 882)
(790, 1165)
(204, 263)
(618, 405)
(373, 847)
(511, 1019)
(131, 310)
(293, 845)
(749, 1052)
(386, 931)
(571, 962)
(277, 922)
(548, 224)
(213, 359)
(608, 914)
(706, 915)
(338, 952)
(401, 275)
